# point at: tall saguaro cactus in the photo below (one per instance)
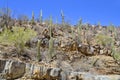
(51, 41)
(50, 26)
(63, 17)
(33, 18)
(41, 17)
(32, 15)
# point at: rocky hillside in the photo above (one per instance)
(46, 51)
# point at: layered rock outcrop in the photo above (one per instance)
(17, 70)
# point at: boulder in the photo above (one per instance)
(13, 70)
(2, 65)
(55, 73)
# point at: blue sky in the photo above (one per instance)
(92, 11)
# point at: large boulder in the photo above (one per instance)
(2, 65)
(13, 70)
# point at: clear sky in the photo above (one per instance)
(92, 11)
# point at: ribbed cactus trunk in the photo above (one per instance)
(51, 41)
(38, 50)
(41, 18)
(33, 19)
(51, 48)
(63, 17)
(79, 30)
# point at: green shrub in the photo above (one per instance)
(116, 56)
(104, 39)
(18, 37)
(115, 53)
(111, 28)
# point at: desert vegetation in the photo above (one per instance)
(42, 40)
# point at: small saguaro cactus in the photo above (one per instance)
(32, 15)
(51, 48)
(51, 42)
(38, 50)
(80, 25)
(33, 19)
(41, 17)
(79, 29)
(63, 17)
(50, 26)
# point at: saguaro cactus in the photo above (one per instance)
(50, 26)
(63, 17)
(79, 29)
(33, 19)
(38, 50)
(51, 48)
(41, 17)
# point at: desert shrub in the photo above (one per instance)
(18, 37)
(115, 54)
(111, 28)
(104, 40)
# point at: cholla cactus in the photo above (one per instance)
(38, 50)
(51, 48)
